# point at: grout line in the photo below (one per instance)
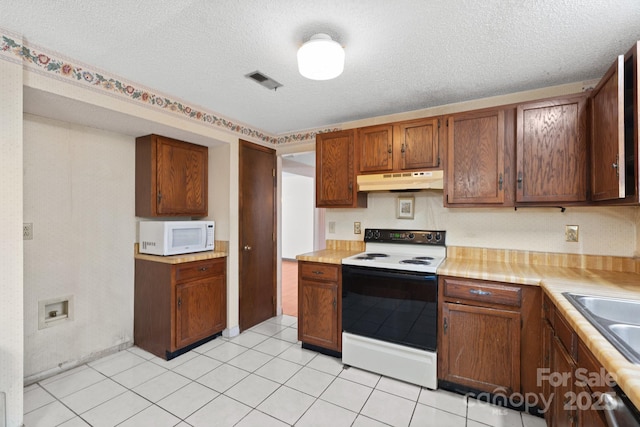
(299, 367)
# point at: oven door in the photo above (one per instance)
(390, 305)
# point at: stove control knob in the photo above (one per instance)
(438, 237)
(376, 234)
(411, 236)
(429, 236)
(368, 234)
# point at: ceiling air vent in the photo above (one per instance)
(263, 80)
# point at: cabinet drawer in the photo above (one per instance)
(199, 269)
(493, 293)
(565, 334)
(319, 271)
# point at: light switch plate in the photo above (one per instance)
(332, 227)
(27, 231)
(356, 228)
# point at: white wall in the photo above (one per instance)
(219, 190)
(603, 230)
(79, 195)
(298, 206)
(11, 312)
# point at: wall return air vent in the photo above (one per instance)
(263, 80)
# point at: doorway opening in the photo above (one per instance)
(302, 228)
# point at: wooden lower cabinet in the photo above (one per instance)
(489, 336)
(178, 305)
(194, 318)
(575, 379)
(562, 390)
(481, 347)
(319, 305)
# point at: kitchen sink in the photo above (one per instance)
(630, 334)
(617, 319)
(612, 309)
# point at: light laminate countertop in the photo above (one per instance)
(179, 259)
(220, 251)
(328, 256)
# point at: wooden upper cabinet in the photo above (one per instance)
(418, 144)
(399, 146)
(171, 177)
(608, 135)
(335, 171)
(476, 158)
(552, 150)
(615, 118)
(375, 144)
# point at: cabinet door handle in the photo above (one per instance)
(402, 149)
(519, 180)
(334, 303)
(159, 196)
(616, 165)
(247, 248)
(479, 292)
(204, 268)
(389, 150)
(445, 326)
(317, 272)
(500, 182)
(179, 302)
(350, 186)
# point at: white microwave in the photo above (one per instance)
(175, 237)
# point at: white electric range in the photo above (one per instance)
(389, 304)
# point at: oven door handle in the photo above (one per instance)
(387, 274)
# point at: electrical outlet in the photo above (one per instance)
(356, 228)
(27, 231)
(571, 233)
(332, 227)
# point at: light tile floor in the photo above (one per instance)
(260, 378)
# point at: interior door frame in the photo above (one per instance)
(274, 291)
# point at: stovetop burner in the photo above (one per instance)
(417, 251)
(415, 261)
(371, 256)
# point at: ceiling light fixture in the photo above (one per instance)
(321, 58)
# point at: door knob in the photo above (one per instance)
(247, 248)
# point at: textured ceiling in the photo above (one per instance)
(400, 55)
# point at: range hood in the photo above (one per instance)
(401, 181)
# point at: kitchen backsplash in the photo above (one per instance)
(592, 262)
(602, 230)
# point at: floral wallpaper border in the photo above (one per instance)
(35, 58)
